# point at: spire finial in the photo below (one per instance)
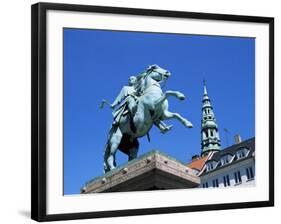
(205, 88)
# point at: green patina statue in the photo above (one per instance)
(137, 107)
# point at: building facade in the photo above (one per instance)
(233, 166)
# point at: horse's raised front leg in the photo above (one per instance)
(169, 93)
(111, 148)
(177, 94)
(170, 115)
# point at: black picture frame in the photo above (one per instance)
(38, 108)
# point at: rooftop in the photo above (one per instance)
(198, 163)
(249, 144)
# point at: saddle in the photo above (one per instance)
(124, 111)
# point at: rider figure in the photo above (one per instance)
(127, 99)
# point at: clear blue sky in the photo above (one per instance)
(98, 63)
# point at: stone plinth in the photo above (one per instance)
(152, 171)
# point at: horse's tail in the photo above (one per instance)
(105, 156)
(107, 151)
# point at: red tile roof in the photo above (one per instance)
(198, 163)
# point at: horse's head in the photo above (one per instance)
(153, 75)
(157, 73)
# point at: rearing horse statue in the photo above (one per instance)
(151, 108)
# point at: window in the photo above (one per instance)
(225, 159)
(226, 181)
(250, 173)
(241, 153)
(210, 165)
(237, 177)
(215, 183)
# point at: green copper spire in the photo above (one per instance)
(210, 140)
(205, 89)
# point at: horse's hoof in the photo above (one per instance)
(168, 128)
(182, 97)
(190, 125)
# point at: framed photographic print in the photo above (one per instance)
(141, 111)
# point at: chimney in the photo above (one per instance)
(237, 139)
(195, 157)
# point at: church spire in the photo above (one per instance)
(210, 140)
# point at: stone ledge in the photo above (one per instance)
(153, 170)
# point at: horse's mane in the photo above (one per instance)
(139, 81)
(140, 77)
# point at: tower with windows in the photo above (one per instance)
(210, 140)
